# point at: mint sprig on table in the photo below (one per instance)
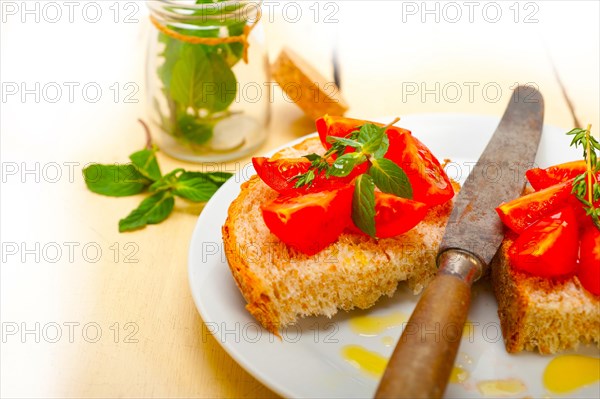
(586, 186)
(143, 174)
(370, 144)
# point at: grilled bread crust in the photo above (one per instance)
(548, 315)
(281, 284)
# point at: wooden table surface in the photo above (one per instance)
(120, 302)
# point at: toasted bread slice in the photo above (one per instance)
(548, 315)
(281, 284)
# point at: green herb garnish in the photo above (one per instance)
(197, 79)
(370, 144)
(363, 204)
(143, 174)
(585, 186)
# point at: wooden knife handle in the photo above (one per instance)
(423, 359)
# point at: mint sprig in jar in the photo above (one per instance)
(207, 78)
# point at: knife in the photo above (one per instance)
(424, 356)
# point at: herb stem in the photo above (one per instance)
(148, 135)
(391, 123)
(590, 175)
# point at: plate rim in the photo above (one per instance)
(239, 357)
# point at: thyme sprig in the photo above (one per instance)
(586, 186)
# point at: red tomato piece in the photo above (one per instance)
(548, 248)
(429, 181)
(339, 126)
(309, 222)
(520, 213)
(589, 260)
(544, 178)
(279, 175)
(394, 215)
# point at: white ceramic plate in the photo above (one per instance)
(308, 361)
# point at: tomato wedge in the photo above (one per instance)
(520, 213)
(394, 215)
(279, 175)
(548, 248)
(340, 126)
(544, 178)
(429, 182)
(309, 222)
(589, 260)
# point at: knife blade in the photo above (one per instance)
(424, 356)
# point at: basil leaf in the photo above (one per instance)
(195, 186)
(152, 210)
(390, 178)
(344, 164)
(114, 180)
(145, 161)
(363, 204)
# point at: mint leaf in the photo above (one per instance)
(345, 141)
(390, 178)
(193, 130)
(190, 74)
(199, 85)
(363, 204)
(367, 132)
(202, 80)
(171, 55)
(372, 136)
(144, 172)
(167, 181)
(383, 148)
(344, 164)
(223, 88)
(145, 161)
(152, 210)
(188, 180)
(219, 178)
(114, 180)
(195, 186)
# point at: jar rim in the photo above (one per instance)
(186, 11)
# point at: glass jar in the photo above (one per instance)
(207, 78)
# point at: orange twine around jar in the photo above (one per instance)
(211, 41)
